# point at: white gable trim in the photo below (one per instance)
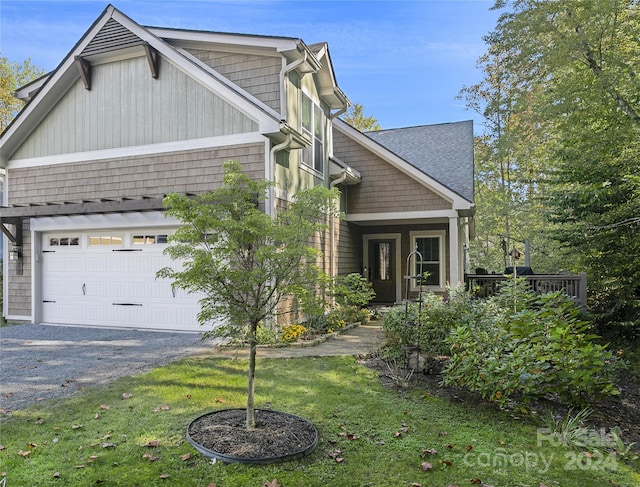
(57, 85)
(140, 150)
(457, 201)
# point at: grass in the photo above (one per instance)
(100, 438)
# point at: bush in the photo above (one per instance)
(425, 325)
(353, 290)
(539, 351)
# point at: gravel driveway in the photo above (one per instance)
(39, 362)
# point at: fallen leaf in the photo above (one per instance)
(108, 445)
(151, 443)
(150, 457)
(31, 445)
(127, 395)
(339, 459)
(415, 484)
(219, 400)
(79, 466)
(476, 481)
(106, 407)
(273, 483)
(3, 411)
(76, 426)
(448, 463)
(92, 458)
(56, 475)
(426, 466)
(210, 485)
(107, 436)
(2, 447)
(165, 476)
(442, 433)
(188, 396)
(38, 421)
(353, 437)
(24, 453)
(469, 447)
(9, 394)
(449, 446)
(96, 416)
(185, 457)
(429, 451)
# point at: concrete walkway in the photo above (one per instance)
(360, 340)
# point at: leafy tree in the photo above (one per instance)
(568, 72)
(241, 260)
(13, 76)
(356, 118)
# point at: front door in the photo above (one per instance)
(381, 269)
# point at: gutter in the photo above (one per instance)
(332, 238)
(271, 209)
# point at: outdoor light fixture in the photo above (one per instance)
(15, 253)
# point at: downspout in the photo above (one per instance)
(271, 210)
(332, 225)
(283, 87)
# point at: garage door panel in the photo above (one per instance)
(96, 285)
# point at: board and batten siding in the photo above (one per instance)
(126, 107)
(192, 171)
(383, 188)
(258, 75)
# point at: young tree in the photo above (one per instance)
(356, 118)
(241, 260)
(13, 76)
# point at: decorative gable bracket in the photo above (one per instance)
(153, 59)
(84, 67)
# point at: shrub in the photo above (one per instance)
(425, 325)
(265, 335)
(542, 350)
(353, 290)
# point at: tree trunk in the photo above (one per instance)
(251, 413)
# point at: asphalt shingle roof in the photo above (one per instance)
(443, 152)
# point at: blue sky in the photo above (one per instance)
(405, 61)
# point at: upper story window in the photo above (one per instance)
(312, 125)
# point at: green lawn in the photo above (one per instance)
(384, 437)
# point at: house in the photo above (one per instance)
(133, 113)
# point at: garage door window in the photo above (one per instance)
(64, 241)
(149, 239)
(105, 240)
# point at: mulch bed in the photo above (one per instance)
(276, 435)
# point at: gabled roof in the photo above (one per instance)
(462, 144)
(443, 151)
(169, 44)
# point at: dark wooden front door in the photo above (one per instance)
(382, 271)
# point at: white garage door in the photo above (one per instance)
(109, 279)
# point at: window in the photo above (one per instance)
(149, 239)
(105, 240)
(312, 125)
(64, 241)
(431, 247)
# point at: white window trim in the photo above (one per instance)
(441, 235)
(309, 166)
